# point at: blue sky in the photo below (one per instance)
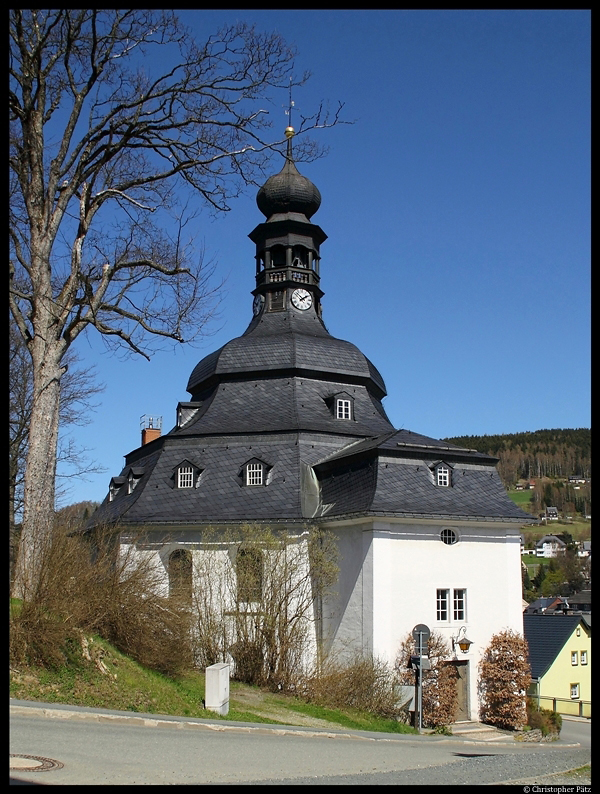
(457, 209)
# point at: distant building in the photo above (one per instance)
(585, 549)
(581, 601)
(550, 546)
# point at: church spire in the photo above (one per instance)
(287, 243)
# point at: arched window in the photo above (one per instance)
(180, 575)
(249, 572)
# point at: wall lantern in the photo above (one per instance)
(461, 639)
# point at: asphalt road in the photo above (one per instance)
(100, 747)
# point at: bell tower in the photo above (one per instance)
(287, 243)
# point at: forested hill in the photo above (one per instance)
(540, 453)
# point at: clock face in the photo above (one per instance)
(302, 299)
(258, 304)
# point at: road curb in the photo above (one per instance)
(180, 723)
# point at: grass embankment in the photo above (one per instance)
(111, 680)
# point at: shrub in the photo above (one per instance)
(364, 683)
(548, 721)
(504, 675)
(91, 589)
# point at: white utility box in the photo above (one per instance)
(216, 693)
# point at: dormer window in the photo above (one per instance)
(114, 487)
(134, 475)
(442, 474)
(341, 406)
(186, 475)
(132, 481)
(185, 412)
(254, 472)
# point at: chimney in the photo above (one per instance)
(150, 427)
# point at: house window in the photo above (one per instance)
(249, 572)
(185, 477)
(460, 605)
(574, 691)
(583, 657)
(578, 632)
(113, 490)
(180, 575)
(574, 658)
(254, 474)
(443, 476)
(449, 536)
(442, 599)
(343, 409)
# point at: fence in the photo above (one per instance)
(569, 708)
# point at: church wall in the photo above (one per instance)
(214, 581)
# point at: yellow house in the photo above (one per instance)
(560, 655)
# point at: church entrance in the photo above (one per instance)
(462, 690)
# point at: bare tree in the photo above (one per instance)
(78, 388)
(115, 114)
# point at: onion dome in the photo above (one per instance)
(288, 191)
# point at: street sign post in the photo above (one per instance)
(421, 635)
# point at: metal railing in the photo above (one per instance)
(578, 708)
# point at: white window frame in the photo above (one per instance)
(583, 657)
(255, 474)
(459, 604)
(343, 408)
(442, 605)
(574, 691)
(442, 476)
(113, 491)
(132, 482)
(574, 658)
(185, 477)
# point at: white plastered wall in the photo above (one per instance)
(389, 575)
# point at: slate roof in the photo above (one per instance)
(289, 342)
(546, 636)
(220, 496)
(381, 485)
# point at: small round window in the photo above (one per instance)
(449, 536)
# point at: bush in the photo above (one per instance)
(364, 683)
(90, 589)
(548, 721)
(504, 675)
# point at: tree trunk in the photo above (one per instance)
(39, 486)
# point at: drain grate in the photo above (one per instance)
(32, 763)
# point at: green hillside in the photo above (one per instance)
(541, 462)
